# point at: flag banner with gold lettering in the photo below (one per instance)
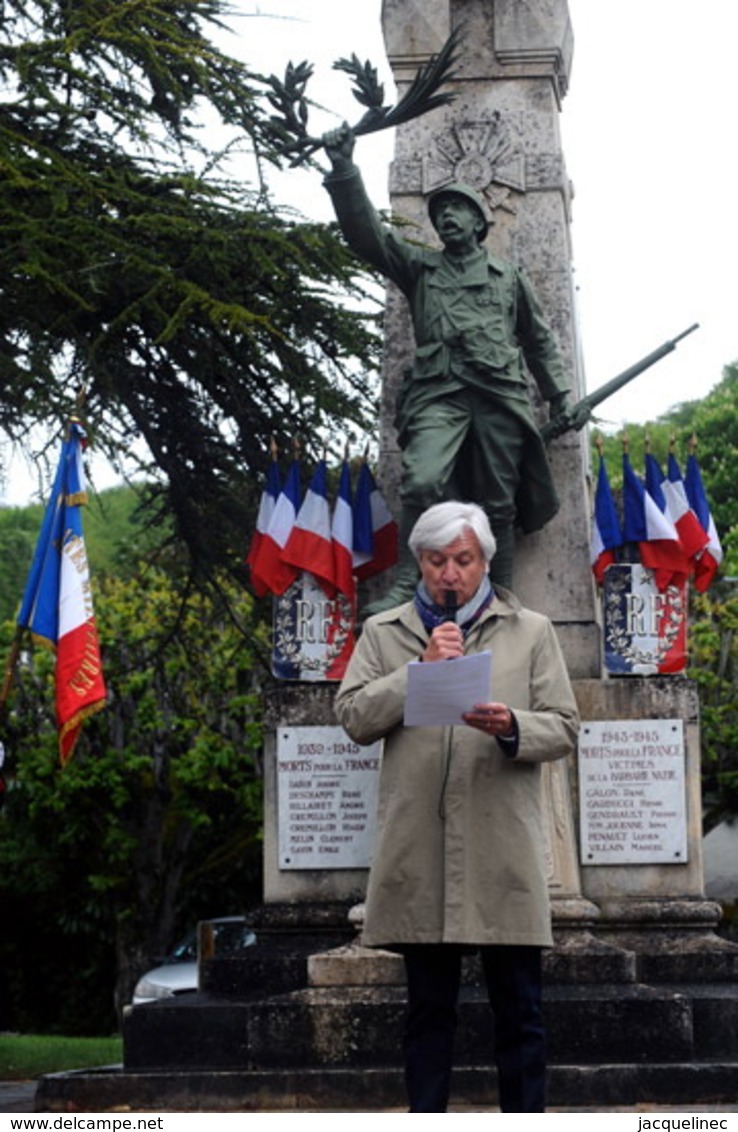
(57, 604)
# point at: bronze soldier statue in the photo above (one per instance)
(463, 413)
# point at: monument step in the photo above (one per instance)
(351, 1026)
(570, 1087)
(286, 961)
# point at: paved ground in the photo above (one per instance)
(17, 1096)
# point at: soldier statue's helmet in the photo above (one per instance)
(470, 196)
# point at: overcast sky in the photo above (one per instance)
(649, 143)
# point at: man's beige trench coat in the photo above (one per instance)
(459, 855)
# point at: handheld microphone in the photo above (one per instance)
(450, 604)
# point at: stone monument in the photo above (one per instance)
(500, 135)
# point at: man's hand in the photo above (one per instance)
(446, 643)
(558, 405)
(492, 719)
(339, 146)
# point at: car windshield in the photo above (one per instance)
(186, 950)
(231, 936)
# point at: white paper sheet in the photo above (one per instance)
(438, 693)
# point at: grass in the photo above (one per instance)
(25, 1056)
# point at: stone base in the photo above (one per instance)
(350, 1027)
(354, 965)
(577, 958)
(570, 1088)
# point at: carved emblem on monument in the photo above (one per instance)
(645, 631)
(313, 634)
(481, 154)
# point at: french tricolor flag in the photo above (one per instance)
(57, 604)
(342, 532)
(607, 536)
(691, 535)
(645, 524)
(669, 495)
(309, 546)
(708, 562)
(375, 531)
(268, 570)
(267, 503)
(339, 630)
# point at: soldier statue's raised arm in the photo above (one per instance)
(463, 414)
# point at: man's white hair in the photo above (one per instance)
(443, 523)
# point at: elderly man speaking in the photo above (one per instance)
(460, 857)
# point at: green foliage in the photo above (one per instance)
(19, 529)
(154, 823)
(714, 667)
(714, 420)
(198, 319)
(117, 538)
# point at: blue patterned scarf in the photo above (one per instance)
(466, 615)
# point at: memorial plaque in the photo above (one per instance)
(326, 798)
(645, 631)
(632, 792)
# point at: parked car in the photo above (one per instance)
(178, 973)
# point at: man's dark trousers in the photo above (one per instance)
(513, 977)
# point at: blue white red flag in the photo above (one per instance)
(670, 496)
(654, 482)
(708, 562)
(363, 535)
(267, 503)
(653, 532)
(607, 536)
(309, 545)
(375, 531)
(268, 571)
(341, 643)
(57, 604)
(342, 531)
(691, 535)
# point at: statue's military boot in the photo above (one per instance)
(501, 566)
(407, 571)
(402, 590)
